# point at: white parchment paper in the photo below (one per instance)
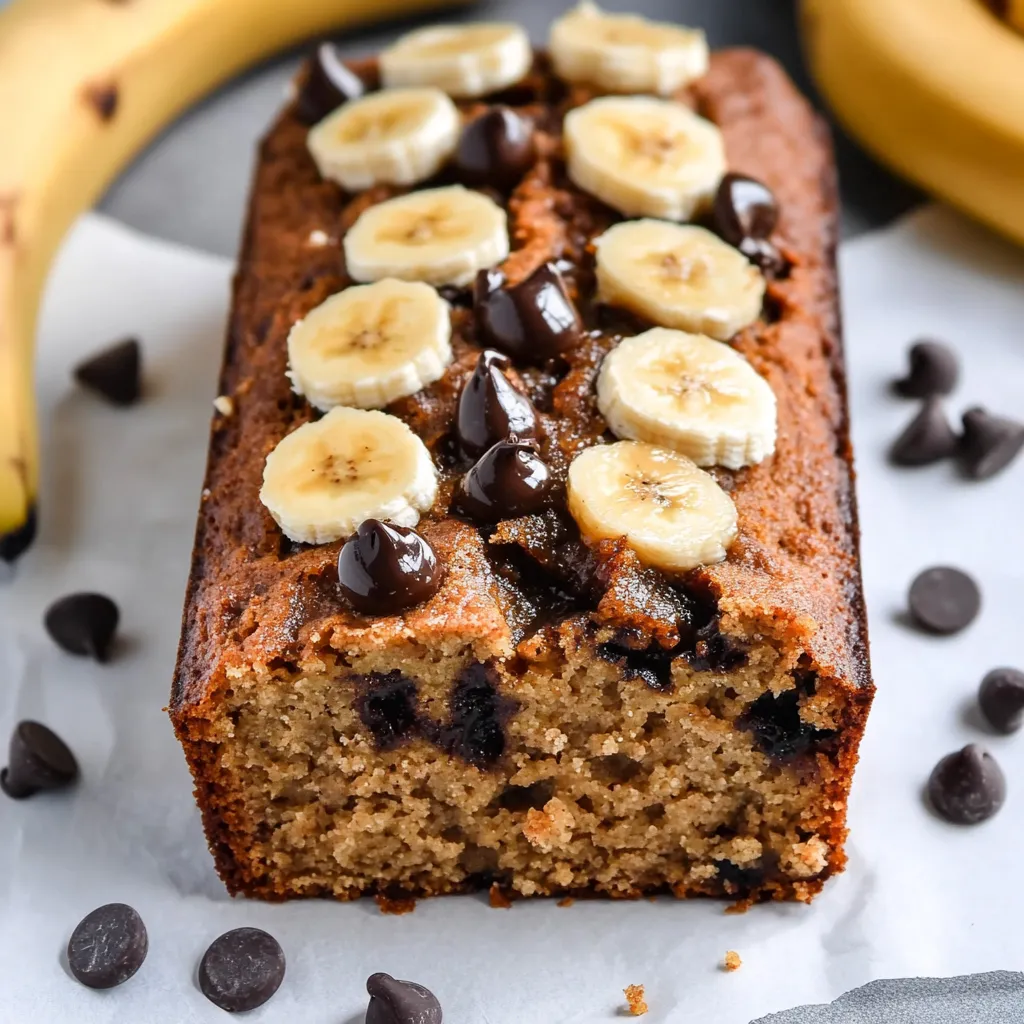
(119, 498)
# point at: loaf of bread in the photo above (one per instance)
(546, 706)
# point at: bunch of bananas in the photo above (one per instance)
(934, 89)
(83, 85)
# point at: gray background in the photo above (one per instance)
(190, 185)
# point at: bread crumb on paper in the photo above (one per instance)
(224, 404)
(732, 961)
(635, 997)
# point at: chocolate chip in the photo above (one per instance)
(496, 148)
(765, 256)
(386, 703)
(533, 321)
(108, 946)
(490, 409)
(327, 84)
(934, 369)
(476, 709)
(38, 760)
(926, 439)
(967, 787)
(776, 725)
(743, 208)
(509, 480)
(242, 969)
(1001, 698)
(990, 443)
(400, 1002)
(115, 373)
(83, 624)
(737, 878)
(944, 600)
(384, 569)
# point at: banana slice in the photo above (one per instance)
(643, 156)
(678, 276)
(691, 394)
(672, 514)
(325, 478)
(440, 236)
(370, 344)
(463, 60)
(394, 137)
(625, 52)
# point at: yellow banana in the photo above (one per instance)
(83, 85)
(934, 89)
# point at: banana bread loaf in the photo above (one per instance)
(580, 610)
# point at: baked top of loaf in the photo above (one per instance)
(256, 598)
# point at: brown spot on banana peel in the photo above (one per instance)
(8, 205)
(103, 97)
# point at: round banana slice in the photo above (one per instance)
(644, 157)
(626, 53)
(394, 137)
(691, 394)
(370, 344)
(440, 235)
(672, 514)
(463, 60)
(678, 276)
(325, 478)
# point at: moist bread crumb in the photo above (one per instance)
(732, 961)
(635, 1000)
(556, 720)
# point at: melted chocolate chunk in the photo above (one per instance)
(533, 321)
(738, 879)
(108, 946)
(934, 370)
(522, 798)
(967, 787)
(743, 208)
(510, 480)
(927, 438)
(38, 760)
(1001, 698)
(776, 725)
(400, 1002)
(475, 731)
(386, 705)
(990, 443)
(490, 409)
(327, 85)
(715, 651)
(653, 665)
(495, 149)
(385, 569)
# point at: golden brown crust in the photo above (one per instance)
(793, 575)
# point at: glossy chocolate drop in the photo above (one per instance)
(495, 149)
(328, 84)
(533, 321)
(385, 569)
(400, 1002)
(490, 409)
(744, 208)
(509, 480)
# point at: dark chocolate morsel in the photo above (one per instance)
(1001, 698)
(990, 443)
(108, 946)
(490, 409)
(496, 148)
(242, 969)
(115, 373)
(327, 85)
(384, 569)
(400, 1002)
(508, 481)
(926, 439)
(743, 208)
(934, 369)
(83, 624)
(533, 321)
(967, 787)
(38, 760)
(944, 600)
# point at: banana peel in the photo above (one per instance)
(84, 84)
(934, 89)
